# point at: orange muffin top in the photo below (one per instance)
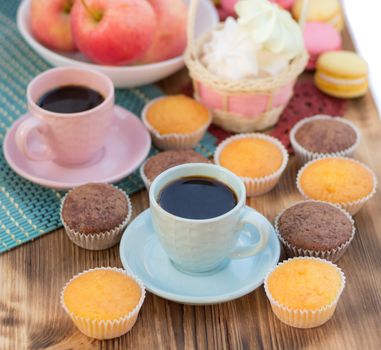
(102, 295)
(305, 284)
(337, 180)
(177, 115)
(251, 157)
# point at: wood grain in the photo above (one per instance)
(32, 277)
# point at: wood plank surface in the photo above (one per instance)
(32, 276)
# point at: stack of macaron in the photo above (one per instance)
(342, 74)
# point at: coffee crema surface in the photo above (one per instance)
(197, 197)
(70, 99)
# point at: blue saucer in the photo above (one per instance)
(142, 254)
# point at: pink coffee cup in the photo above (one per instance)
(68, 138)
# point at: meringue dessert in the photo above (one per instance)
(261, 42)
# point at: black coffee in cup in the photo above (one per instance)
(70, 99)
(197, 197)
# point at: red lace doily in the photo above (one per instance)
(306, 102)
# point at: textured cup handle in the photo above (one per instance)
(251, 217)
(22, 135)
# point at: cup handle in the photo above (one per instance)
(250, 217)
(22, 134)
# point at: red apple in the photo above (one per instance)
(50, 23)
(113, 32)
(170, 37)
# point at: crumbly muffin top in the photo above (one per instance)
(336, 180)
(169, 159)
(305, 284)
(94, 208)
(251, 157)
(326, 136)
(177, 115)
(102, 295)
(314, 226)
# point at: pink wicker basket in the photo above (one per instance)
(244, 105)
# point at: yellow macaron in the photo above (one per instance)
(328, 11)
(342, 74)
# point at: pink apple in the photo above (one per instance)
(113, 32)
(50, 23)
(170, 37)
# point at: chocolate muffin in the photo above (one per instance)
(94, 215)
(162, 161)
(326, 135)
(313, 228)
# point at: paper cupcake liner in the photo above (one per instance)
(97, 241)
(105, 329)
(173, 141)
(304, 318)
(146, 181)
(260, 185)
(305, 156)
(352, 207)
(331, 255)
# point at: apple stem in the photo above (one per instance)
(97, 15)
(68, 5)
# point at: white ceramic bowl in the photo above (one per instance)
(122, 76)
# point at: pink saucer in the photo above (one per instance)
(125, 149)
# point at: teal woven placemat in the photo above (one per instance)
(28, 211)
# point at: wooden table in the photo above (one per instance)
(32, 276)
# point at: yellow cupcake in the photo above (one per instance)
(176, 122)
(342, 74)
(103, 303)
(304, 291)
(251, 157)
(257, 158)
(339, 180)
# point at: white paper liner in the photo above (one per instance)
(147, 182)
(304, 318)
(97, 241)
(332, 254)
(106, 329)
(260, 185)
(305, 156)
(351, 207)
(173, 141)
